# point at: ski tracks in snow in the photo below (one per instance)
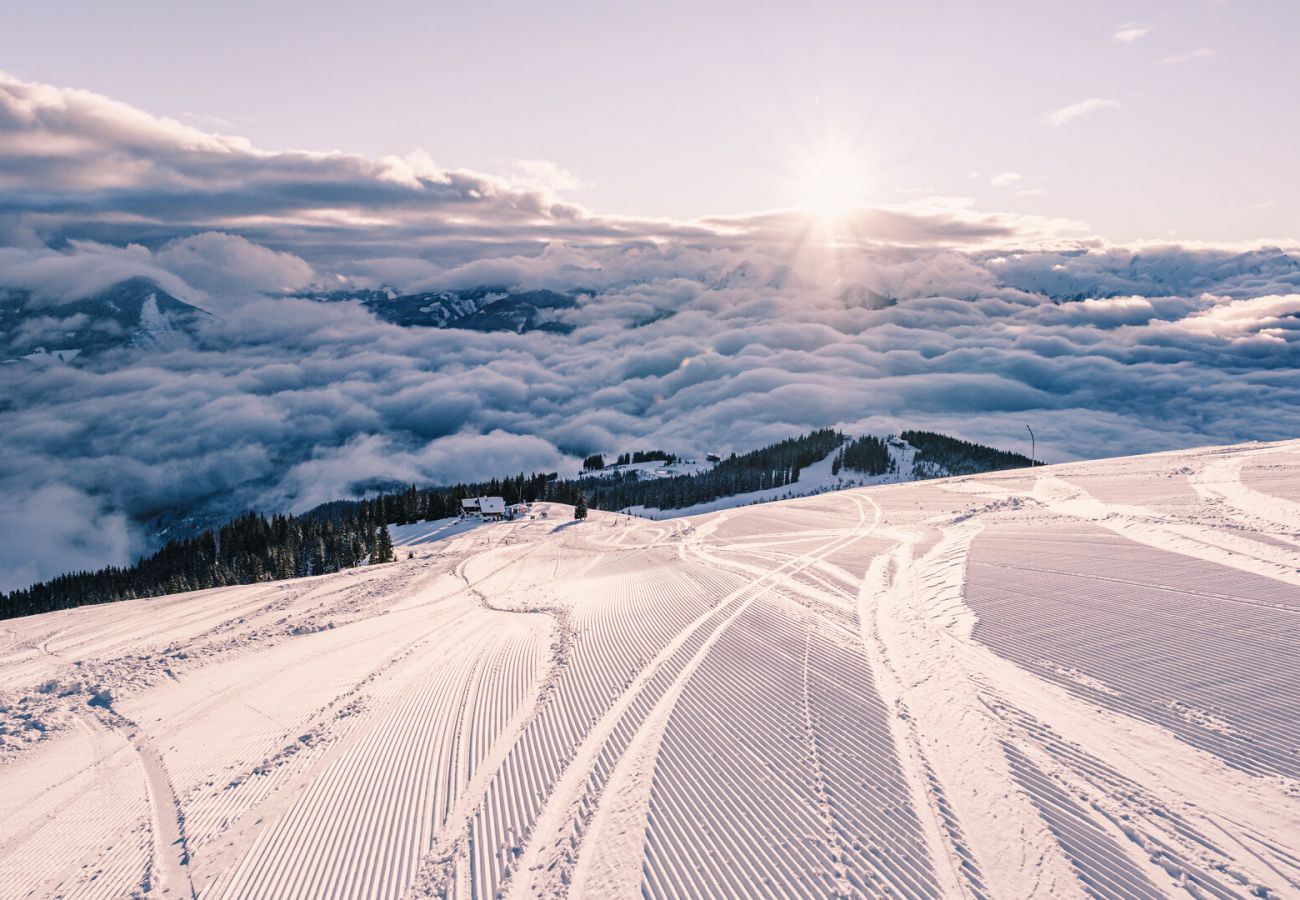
(795, 699)
(609, 862)
(1032, 770)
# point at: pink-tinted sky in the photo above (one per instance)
(1136, 120)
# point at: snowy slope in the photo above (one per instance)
(653, 469)
(814, 479)
(1075, 681)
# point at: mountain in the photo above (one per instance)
(1068, 681)
(133, 313)
(479, 309)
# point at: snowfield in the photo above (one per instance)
(1076, 681)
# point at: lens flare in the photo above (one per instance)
(830, 183)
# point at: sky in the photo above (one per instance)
(871, 217)
(1132, 120)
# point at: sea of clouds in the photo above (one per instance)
(696, 337)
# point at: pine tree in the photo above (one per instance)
(580, 507)
(383, 547)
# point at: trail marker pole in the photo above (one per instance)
(1033, 448)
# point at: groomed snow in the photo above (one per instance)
(1079, 681)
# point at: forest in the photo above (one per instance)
(938, 455)
(344, 533)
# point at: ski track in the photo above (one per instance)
(1073, 682)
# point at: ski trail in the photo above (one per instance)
(1179, 778)
(1182, 779)
(609, 862)
(171, 850)
(624, 821)
(1220, 481)
(943, 837)
(568, 790)
(448, 856)
(169, 874)
(1145, 527)
(1150, 842)
(913, 624)
(843, 887)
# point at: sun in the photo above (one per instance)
(829, 182)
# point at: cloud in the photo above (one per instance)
(57, 528)
(543, 175)
(1189, 56)
(217, 262)
(281, 403)
(75, 165)
(1132, 31)
(711, 335)
(1270, 319)
(79, 167)
(83, 269)
(1059, 117)
(1004, 179)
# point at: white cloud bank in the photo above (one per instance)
(719, 334)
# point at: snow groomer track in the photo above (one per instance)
(1076, 681)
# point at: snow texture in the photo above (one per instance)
(1075, 681)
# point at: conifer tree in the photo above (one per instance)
(580, 507)
(383, 547)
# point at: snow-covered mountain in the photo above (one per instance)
(480, 309)
(134, 313)
(1071, 681)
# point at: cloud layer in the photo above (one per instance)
(712, 335)
(76, 166)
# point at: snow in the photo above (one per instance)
(42, 356)
(654, 469)
(814, 479)
(1075, 681)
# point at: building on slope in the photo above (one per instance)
(489, 509)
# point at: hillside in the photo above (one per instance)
(343, 533)
(1071, 681)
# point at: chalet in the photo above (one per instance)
(491, 509)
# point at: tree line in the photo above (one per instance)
(867, 454)
(246, 550)
(774, 466)
(345, 533)
(938, 455)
